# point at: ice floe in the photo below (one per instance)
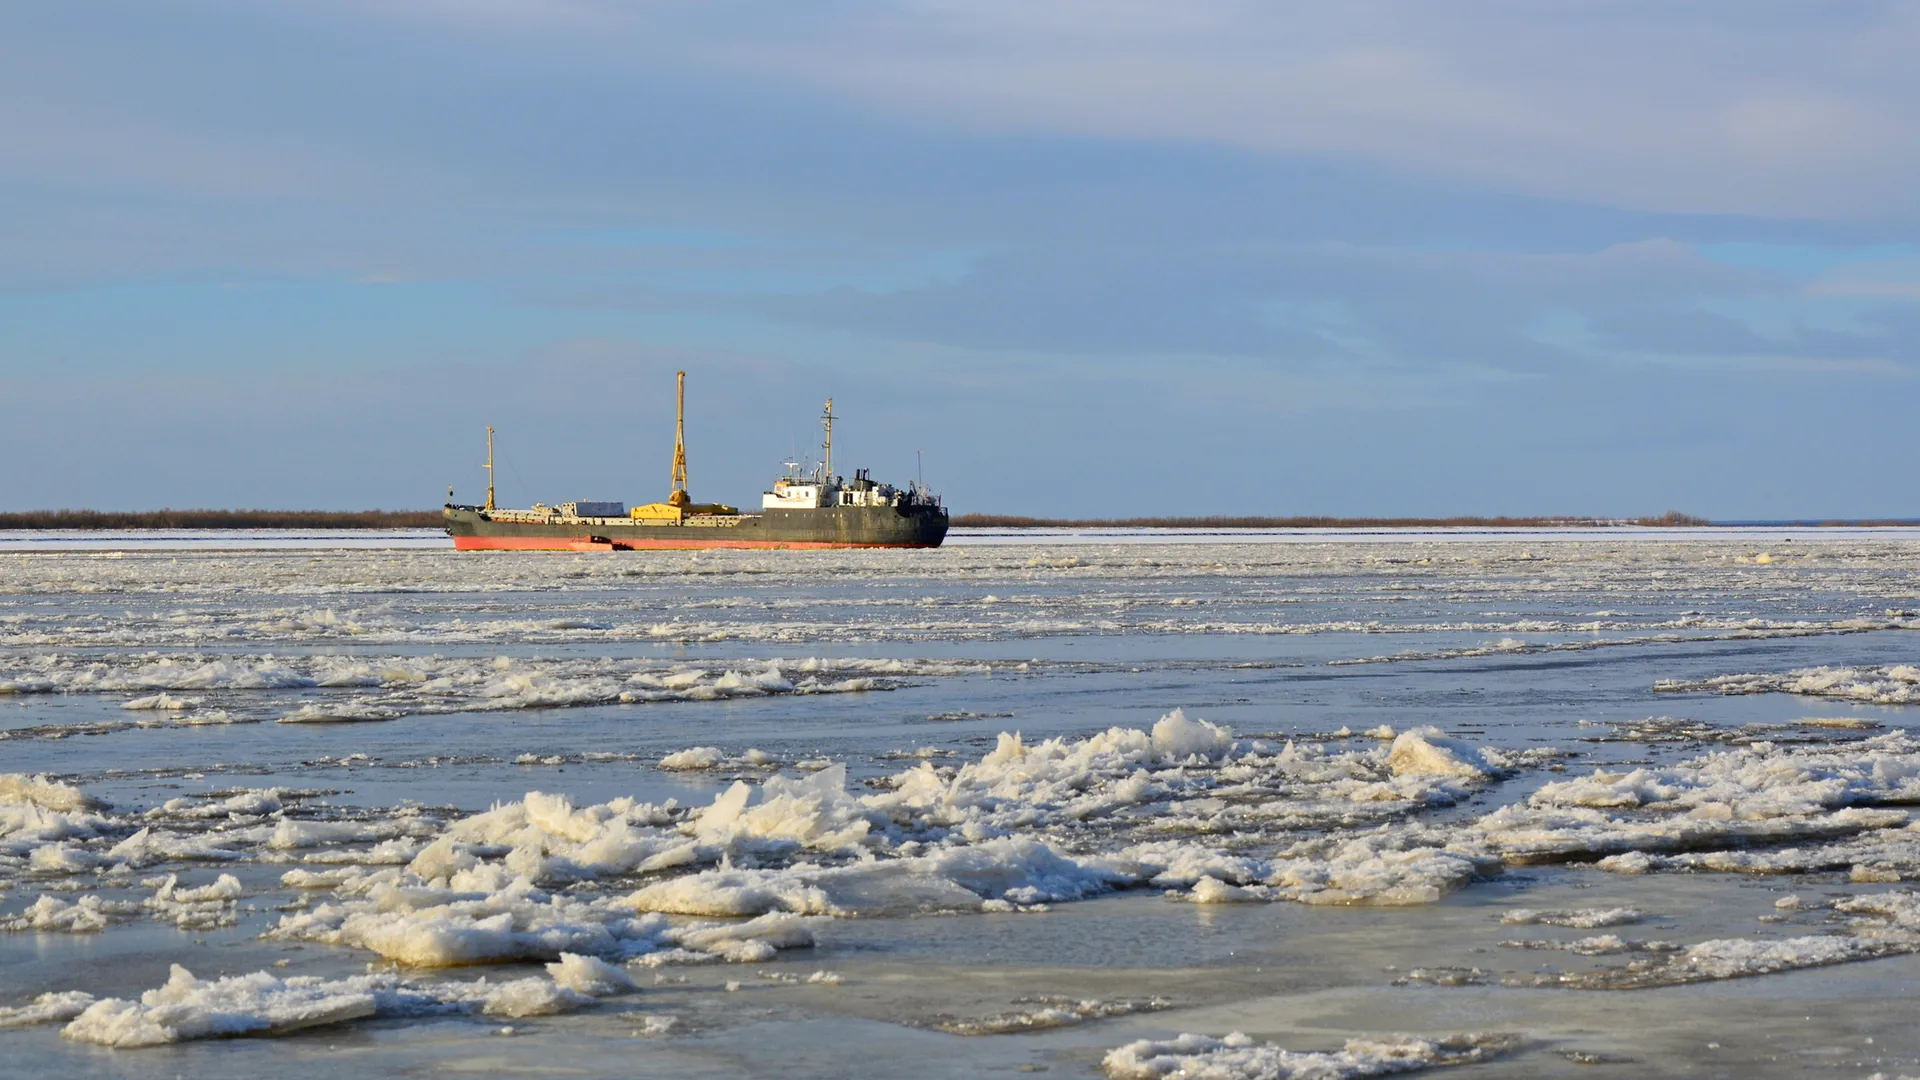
(1027, 823)
(1755, 794)
(1042, 1013)
(161, 700)
(48, 1008)
(696, 757)
(1598, 945)
(589, 975)
(47, 794)
(1579, 918)
(599, 891)
(334, 689)
(260, 1003)
(1868, 927)
(1237, 1057)
(1896, 684)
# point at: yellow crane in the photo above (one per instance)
(679, 503)
(680, 496)
(489, 467)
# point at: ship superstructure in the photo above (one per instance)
(807, 508)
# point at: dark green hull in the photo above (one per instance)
(920, 525)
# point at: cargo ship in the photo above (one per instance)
(807, 508)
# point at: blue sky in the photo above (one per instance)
(1493, 256)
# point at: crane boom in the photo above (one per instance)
(489, 467)
(826, 418)
(680, 496)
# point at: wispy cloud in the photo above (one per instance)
(1495, 254)
(1727, 106)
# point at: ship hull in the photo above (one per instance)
(920, 526)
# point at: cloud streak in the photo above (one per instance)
(1492, 256)
(1766, 108)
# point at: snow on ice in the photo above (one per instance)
(260, 1003)
(1897, 684)
(1183, 806)
(1236, 1056)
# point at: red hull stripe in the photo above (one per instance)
(583, 543)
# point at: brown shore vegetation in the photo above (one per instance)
(1007, 521)
(431, 519)
(221, 519)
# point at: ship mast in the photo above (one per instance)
(826, 418)
(680, 496)
(489, 466)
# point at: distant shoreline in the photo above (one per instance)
(1669, 520)
(1007, 521)
(85, 520)
(220, 519)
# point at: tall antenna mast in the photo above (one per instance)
(680, 496)
(489, 466)
(827, 419)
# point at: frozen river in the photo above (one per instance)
(1581, 802)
